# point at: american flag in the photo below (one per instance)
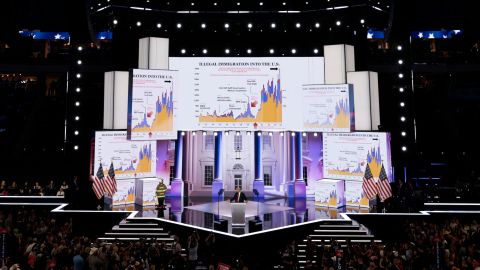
(384, 188)
(98, 185)
(369, 186)
(110, 181)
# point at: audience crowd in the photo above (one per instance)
(448, 244)
(33, 189)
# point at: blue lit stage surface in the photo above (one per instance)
(274, 213)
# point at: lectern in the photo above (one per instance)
(238, 214)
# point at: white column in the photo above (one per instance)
(339, 59)
(153, 53)
(115, 103)
(366, 101)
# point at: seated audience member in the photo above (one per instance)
(64, 186)
(36, 188)
(26, 189)
(13, 189)
(3, 192)
(50, 188)
(60, 192)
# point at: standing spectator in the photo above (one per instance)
(36, 189)
(50, 188)
(64, 186)
(192, 247)
(94, 261)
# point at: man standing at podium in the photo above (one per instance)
(239, 196)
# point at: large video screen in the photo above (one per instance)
(243, 93)
(131, 159)
(328, 108)
(346, 155)
(151, 106)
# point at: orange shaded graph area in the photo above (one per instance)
(163, 122)
(163, 116)
(270, 108)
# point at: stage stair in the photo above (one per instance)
(339, 232)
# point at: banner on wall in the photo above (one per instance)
(243, 93)
(354, 194)
(329, 193)
(328, 107)
(125, 192)
(346, 155)
(131, 159)
(151, 105)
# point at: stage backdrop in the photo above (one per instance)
(346, 155)
(328, 107)
(131, 159)
(151, 105)
(243, 93)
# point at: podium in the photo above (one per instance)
(238, 214)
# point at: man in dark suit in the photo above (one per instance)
(239, 196)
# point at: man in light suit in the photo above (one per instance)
(239, 196)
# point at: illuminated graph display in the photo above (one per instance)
(328, 108)
(346, 155)
(131, 159)
(151, 105)
(244, 95)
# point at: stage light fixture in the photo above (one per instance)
(402, 118)
(76, 132)
(281, 134)
(284, 3)
(238, 3)
(183, 133)
(77, 103)
(227, 26)
(227, 51)
(159, 25)
(249, 25)
(193, 4)
(227, 133)
(404, 134)
(317, 25)
(79, 62)
(80, 48)
(204, 133)
(215, 133)
(401, 89)
(304, 134)
(402, 104)
(259, 133)
(179, 25)
(204, 51)
(315, 134)
(400, 61)
(115, 22)
(273, 25)
(248, 133)
(271, 51)
(249, 51)
(261, 3)
(215, 3)
(399, 48)
(183, 51)
(315, 51)
(237, 133)
(139, 23)
(400, 75)
(338, 23)
(203, 25)
(75, 147)
(292, 133)
(194, 133)
(404, 148)
(270, 134)
(77, 118)
(78, 75)
(294, 51)
(362, 21)
(298, 25)
(306, 3)
(77, 89)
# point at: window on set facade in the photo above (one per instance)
(267, 142)
(237, 143)
(208, 175)
(209, 142)
(305, 174)
(267, 175)
(172, 173)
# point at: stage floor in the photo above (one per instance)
(274, 213)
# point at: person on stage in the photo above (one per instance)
(239, 196)
(160, 192)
